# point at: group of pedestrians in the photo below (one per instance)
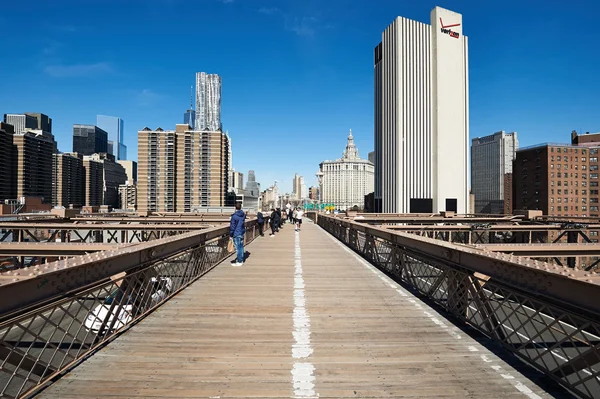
(237, 227)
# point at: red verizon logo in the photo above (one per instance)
(446, 29)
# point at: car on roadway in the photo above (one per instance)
(122, 315)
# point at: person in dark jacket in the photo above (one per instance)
(237, 229)
(280, 219)
(261, 222)
(273, 222)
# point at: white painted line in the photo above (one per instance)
(303, 372)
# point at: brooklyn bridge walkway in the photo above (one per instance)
(304, 317)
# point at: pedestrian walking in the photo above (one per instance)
(237, 229)
(299, 214)
(273, 222)
(280, 220)
(260, 219)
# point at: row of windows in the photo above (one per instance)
(565, 150)
(566, 167)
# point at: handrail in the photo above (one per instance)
(546, 315)
(55, 315)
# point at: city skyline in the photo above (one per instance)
(521, 93)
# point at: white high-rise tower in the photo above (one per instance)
(422, 116)
(208, 102)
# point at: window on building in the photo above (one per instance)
(594, 233)
(552, 208)
(552, 158)
(576, 160)
(559, 200)
(551, 166)
(559, 191)
(566, 183)
(593, 209)
(593, 151)
(583, 192)
(558, 149)
(566, 201)
(559, 174)
(593, 184)
(584, 208)
(552, 200)
(593, 192)
(594, 200)
(559, 183)
(583, 159)
(593, 159)
(583, 167)
(559, 208)
(593, 167)
(593, 175)
(552, 183)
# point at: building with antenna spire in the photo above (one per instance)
(189, 117)
(347, 180)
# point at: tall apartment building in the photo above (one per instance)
(202, 174)
(181, 170)
(8, 181)
(130, 170)
(115, 130)
(421, 115)
(491, 160)
(68, 180)
(346, 181)
(89, 139)
(208, 102)
(33, 154)
(93, 181)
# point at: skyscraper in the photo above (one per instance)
(43, 121)
(89, 139)
(491, 159)
(208, 102)
(421, 115)
(21, 122)
(114, 127)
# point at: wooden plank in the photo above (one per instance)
(230, 335)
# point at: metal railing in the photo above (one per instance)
(51, 321)
(547, 315)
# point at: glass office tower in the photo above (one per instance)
(114, 126)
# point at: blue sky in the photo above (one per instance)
(296, 74)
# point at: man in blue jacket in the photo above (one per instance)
(237, 228)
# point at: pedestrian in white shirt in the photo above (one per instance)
(299, 214)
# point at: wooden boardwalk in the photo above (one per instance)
(303, 318)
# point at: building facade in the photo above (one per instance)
(43, 121)
(556, 179)
(115, 129)
(130, 170)
(346, 181)
(20, 122)
(181, 170)
(421, 115)
(491, 159)
(113, 175)
(89, 139)
(93, 181)
(208, 102)
(8, 180)
(68, 180)
(128, 197)
(33, 155)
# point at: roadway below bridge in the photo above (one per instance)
(304, 317)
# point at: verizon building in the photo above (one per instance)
(422, 116)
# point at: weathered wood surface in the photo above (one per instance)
(230, 335)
